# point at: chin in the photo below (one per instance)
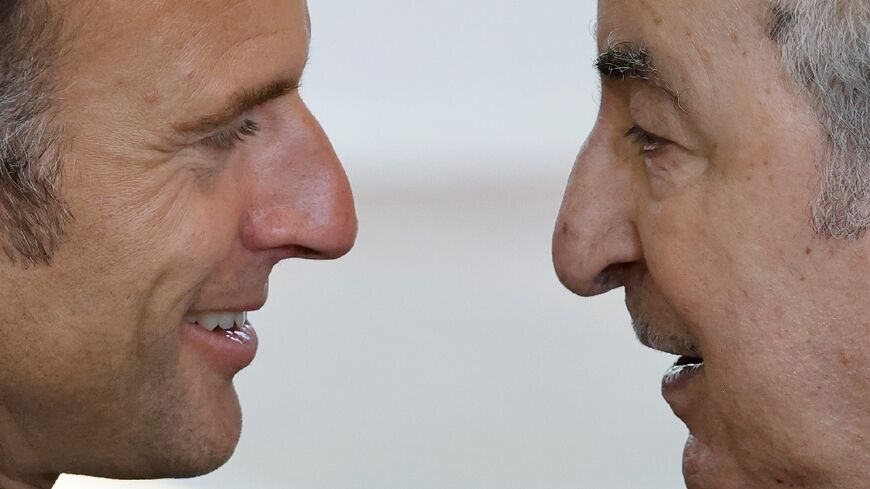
(194, 468)
(170, 464)
(198, 443)
(216, 441)
(694, 464)
(704, 469)
(206, 430)
(197, 458)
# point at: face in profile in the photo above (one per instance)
(190, 167)
(695, 193)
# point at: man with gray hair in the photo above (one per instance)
(156, 161)
(726, 187)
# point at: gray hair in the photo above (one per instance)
(32, 213)
(826, 49)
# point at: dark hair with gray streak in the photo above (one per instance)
(826, 49)
(32, 212)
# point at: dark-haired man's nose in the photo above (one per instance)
(595, 242)
(303, 205)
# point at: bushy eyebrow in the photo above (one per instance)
(622, 61)
(238, 104)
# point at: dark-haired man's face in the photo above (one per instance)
(693, 193)
(191, 168)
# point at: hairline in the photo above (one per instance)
(33, 214)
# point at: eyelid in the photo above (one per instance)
(227, 139)
(647, 141)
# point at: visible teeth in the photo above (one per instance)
(212, 321)
(227, 321)
(190, 318)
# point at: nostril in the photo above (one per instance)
(610, 278)
(306, 252)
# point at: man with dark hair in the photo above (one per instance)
(726, 187)
(156, 161)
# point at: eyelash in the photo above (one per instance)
(228, 139)
(647, 141)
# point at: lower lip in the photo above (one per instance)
(680, 377)
(228, 351)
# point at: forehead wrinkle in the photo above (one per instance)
(211, 85)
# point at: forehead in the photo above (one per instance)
(176, 56)
(194, 24)
(692, 41)
(701, 17)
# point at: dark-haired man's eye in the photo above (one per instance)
(228, 139)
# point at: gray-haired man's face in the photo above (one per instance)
(193, 167)
(693, 192)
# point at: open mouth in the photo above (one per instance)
(682, 372)
(226, 338)
(218, 321)
(688, 361)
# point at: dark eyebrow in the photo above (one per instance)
(623, 61)
(239, 103)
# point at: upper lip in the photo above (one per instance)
(221, 310)
(227, 308)
(673, 344)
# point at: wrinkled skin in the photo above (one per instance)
(709, 231)
(97, 376)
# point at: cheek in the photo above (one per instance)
(728, 248)
(182, 231)
(130, 263)
(719, 263)
(730, 258)
(685, 255)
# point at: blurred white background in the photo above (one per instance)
(442, 352)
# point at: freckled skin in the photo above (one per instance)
(97, 377)
(725, 255)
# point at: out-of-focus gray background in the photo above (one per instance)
(442, 353)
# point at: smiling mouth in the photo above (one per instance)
(226, 339)
(225, 321)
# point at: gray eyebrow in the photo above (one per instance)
(623, 61)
